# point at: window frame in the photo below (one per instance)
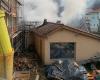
(74, 56)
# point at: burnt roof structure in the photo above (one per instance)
(49, 28)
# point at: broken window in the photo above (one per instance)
(62, 50)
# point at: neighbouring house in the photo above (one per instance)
(91, 20)
(56, 41)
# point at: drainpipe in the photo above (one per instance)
(6, 51)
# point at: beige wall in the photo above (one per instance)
(86, 47)
(39, 45)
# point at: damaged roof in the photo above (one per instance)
(48, 27)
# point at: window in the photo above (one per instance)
(93, 17)
(62, 50)
(94, 25)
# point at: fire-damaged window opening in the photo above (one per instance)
(62, 50)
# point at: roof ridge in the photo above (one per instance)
(46, 29)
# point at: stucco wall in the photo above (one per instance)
(86, 47)
(39, 45)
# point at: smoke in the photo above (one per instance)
(72, 9)
(40, 9)
(53, 10)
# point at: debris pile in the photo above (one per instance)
(65, 70)
(22, 64)
(25, 62)
(93, 67)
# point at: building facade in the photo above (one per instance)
(12, 17)
(91, 20)
(54, 41)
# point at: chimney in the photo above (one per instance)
(45, 22)
(58, 22)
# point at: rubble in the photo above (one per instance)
(25, 61)
(67, 70)
(93, 66)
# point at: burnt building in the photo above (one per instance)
(55, 41)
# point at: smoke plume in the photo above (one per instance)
(53, 10)
(40, 9)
